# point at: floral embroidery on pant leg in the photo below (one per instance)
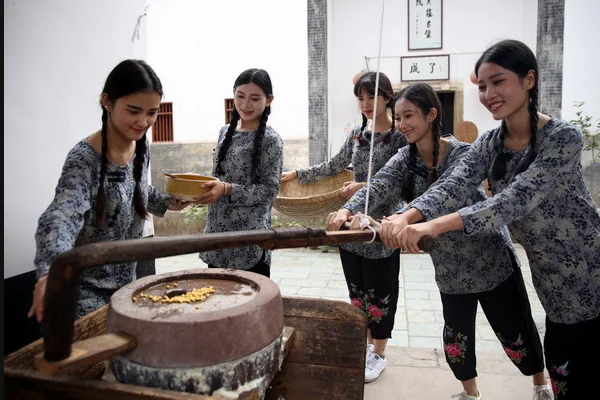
(559, 387)
(455, 345)
(374, 307)
(516, 350)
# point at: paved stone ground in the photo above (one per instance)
(313, 273)
(416, 366)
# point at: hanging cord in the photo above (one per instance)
(136, 30)
(374, 111)
(364, 221)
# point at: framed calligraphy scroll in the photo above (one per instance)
(425, 68)
(425, 24)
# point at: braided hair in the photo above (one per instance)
(261, 78)
(518, 58)
(366, 84)
(128, 77)
(424, 98)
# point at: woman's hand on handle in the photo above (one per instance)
(391, 228)
(337, 219)
(355, 222)
(37, 306)
(411, 234)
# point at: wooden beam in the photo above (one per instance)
(86, 353)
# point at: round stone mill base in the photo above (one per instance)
(230, 340)
(250, 372)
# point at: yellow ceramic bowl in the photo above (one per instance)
(186, 187)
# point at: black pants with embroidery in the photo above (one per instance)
(507, 309)
(572, 354)
(373, 286)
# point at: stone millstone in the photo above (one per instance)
(254, 371)
(242, 317)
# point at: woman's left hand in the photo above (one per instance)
(178, 205)
(356, 220)
(411, 234)
(336, 219)
(350, 188)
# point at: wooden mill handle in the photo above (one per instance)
(426, 243)
(63, 277)
(87, 352)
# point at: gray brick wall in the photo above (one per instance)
(550, 35)
(317, 81)
(178, 157)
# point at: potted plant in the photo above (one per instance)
(193, 219)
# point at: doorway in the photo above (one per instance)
(447, 100)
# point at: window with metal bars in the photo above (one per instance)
(228, 109)
(162, 131)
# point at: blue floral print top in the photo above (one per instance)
(356, 151)
(463, 263)
(70, 220)
(250, 203)
(548, 210)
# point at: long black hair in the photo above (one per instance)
(128, 77)
(366, 84)
(425, 98)
(514, 56)
(261, 78)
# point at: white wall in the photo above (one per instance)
(201, 47)
(57, 55)
(469, 27)
(581, 80)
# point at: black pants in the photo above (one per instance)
(509, 314)
(572, 355)
(261, 268)
(145, 267)
(374, 288)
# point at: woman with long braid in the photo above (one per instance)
(247, 164)
(103, 192)
(371, 270)
(482, 269)
(533, 164)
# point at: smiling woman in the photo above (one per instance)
(371, 269)
(533, 164)
(247, 164)
(103, 192)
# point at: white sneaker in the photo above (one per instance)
(375, 365)
(370, 347)
(543, 392)
(465, 396)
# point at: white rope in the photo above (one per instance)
(364, 224)
(374, 115)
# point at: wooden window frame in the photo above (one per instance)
(162, 130)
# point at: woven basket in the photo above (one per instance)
(296, 199)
